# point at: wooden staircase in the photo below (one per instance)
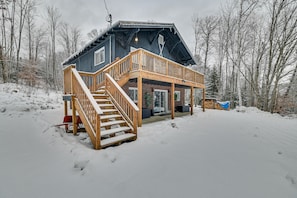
(114, 128)
(108, 114)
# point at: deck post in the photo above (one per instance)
(192, 101)
(139, 103)
(65, 108)
(74, 120)
(203, 104)
(172, 100)
(98, 134)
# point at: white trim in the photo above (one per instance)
(165, 101)
(99, 52)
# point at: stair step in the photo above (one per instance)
(110, 116)
(99, 95)
(108, 110)
(114, 130)
(99, 92)
(106, 105)
(104, 124)
(117, 139)
(102, 100)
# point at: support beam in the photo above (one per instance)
(65, 108)
(74, 120)
(192, 101)
(139, 103)
(203, 107)
(172, 100)
(98, 134)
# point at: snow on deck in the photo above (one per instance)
(213, 154)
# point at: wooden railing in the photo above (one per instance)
(67, 79)
(141, 60)
(90, 108)
(160, 65)
(120, 68)
(88, 78)
(96, 80)
(123, 102)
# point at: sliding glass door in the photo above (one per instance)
(160, 101)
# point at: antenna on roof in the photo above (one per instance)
(109, 16)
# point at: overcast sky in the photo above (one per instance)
(91, 14)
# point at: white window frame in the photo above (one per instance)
(177, 96)
(135, 90)
(101, 53)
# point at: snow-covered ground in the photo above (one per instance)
(249, 154)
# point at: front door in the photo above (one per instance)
(160, 101)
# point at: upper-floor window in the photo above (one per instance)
(99, 56)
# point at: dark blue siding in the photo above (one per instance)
(85, 62)
(143, 42)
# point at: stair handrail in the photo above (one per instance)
(88, 109)
(123, 101)
(87, 92)
(94, 80)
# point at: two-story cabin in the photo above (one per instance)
(146, 61)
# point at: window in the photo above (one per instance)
(133, 93)
(99, 56)
(177, 96)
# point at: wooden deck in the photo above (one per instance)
(157, 118)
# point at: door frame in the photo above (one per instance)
(165, 101)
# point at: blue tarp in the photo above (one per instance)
(225, 105)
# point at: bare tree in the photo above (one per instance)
(23, 7)
(3, 44)
(76, 38)
(246, 8)
(93, 34)
(204, 31)
(53, 17)
(282, 47)
(39, 36)
(30, 29)
(65, 38)
(69, 38)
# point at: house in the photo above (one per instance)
(146, 61)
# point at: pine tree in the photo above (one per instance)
(212, 84)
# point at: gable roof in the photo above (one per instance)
(175, 41)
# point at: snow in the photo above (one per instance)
(214, 154)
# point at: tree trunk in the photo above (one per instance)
(3, 65)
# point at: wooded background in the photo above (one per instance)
(247, 51)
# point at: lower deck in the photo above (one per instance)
(157, 118)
